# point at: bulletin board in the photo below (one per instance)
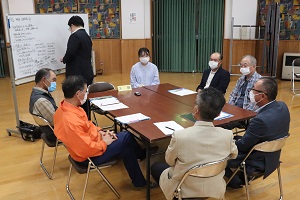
(104, 15)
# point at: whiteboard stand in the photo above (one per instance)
(13, 85)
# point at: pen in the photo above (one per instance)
(170, 128)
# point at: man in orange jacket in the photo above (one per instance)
(83, 139)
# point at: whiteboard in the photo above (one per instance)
(39, 41)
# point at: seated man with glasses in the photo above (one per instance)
(271, 122)
(41, 101)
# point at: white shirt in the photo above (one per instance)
(210, 77)
(144, 75)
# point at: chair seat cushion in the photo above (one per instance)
(50, 143)
(82, 168)
(297, 75)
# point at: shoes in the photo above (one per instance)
(152, 185)
(235, 183)
(153, 150)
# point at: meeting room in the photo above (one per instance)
(141, 99)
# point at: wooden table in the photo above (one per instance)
(238, 113)
(160, 105)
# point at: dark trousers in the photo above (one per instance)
(126, 148)
(157, 169)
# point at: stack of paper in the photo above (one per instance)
(223, 115)
(168, 127)
(108, 103)
(128, 119)
(182, 91)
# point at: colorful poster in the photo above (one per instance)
(104, 15)
(289, 17)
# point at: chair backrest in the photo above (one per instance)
(205, 170)
(296, 62)
(41, 121)
(271, 146)
(268, 146)
(100, 87)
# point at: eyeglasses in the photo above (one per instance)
(259, 91)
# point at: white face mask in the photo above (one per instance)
(82, 101)
(252, 97)
(245, 70)
(213, 64)
(144, 60)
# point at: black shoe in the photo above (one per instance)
(231, 185)
(152, 185)
(153, 150)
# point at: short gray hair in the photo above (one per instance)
(251, 58)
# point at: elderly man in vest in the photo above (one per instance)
(41, 102)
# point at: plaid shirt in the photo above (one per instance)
(44, 108)
(236, 92)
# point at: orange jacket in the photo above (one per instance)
(81, 136)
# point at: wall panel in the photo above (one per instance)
(116, 56)
(255, 47)
(129, 50)
(108, 55)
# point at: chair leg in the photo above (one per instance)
(49, 175)
(95, 119)
(280, 183)
(68, 184)
(246, 181)
(179, 194)
(234, 173)
(107, 182)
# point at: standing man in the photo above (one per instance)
(240, 94)
(144, 73)
(41, 101)
(79, 53)
(271, 122)
(184, 151)
(216, 76)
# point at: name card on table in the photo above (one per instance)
(124, 88)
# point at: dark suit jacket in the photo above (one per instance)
(220, 80)
(78, 55)
(271, 122)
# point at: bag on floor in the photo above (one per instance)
(29, 131)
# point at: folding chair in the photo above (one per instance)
(295, 63)
(86, 169)
(206, 170)
(43, 122)
(99, 87)
(269, 146)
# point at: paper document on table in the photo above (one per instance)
(182, 91)
(108, 103)
(168, 127)
(128, 119)
(223, 115)
(116, 106)
(103, 101)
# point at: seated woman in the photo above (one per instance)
(144, 73)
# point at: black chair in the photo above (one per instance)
(99, 87)
(269, 146)
(81, 169)
(53, 144)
